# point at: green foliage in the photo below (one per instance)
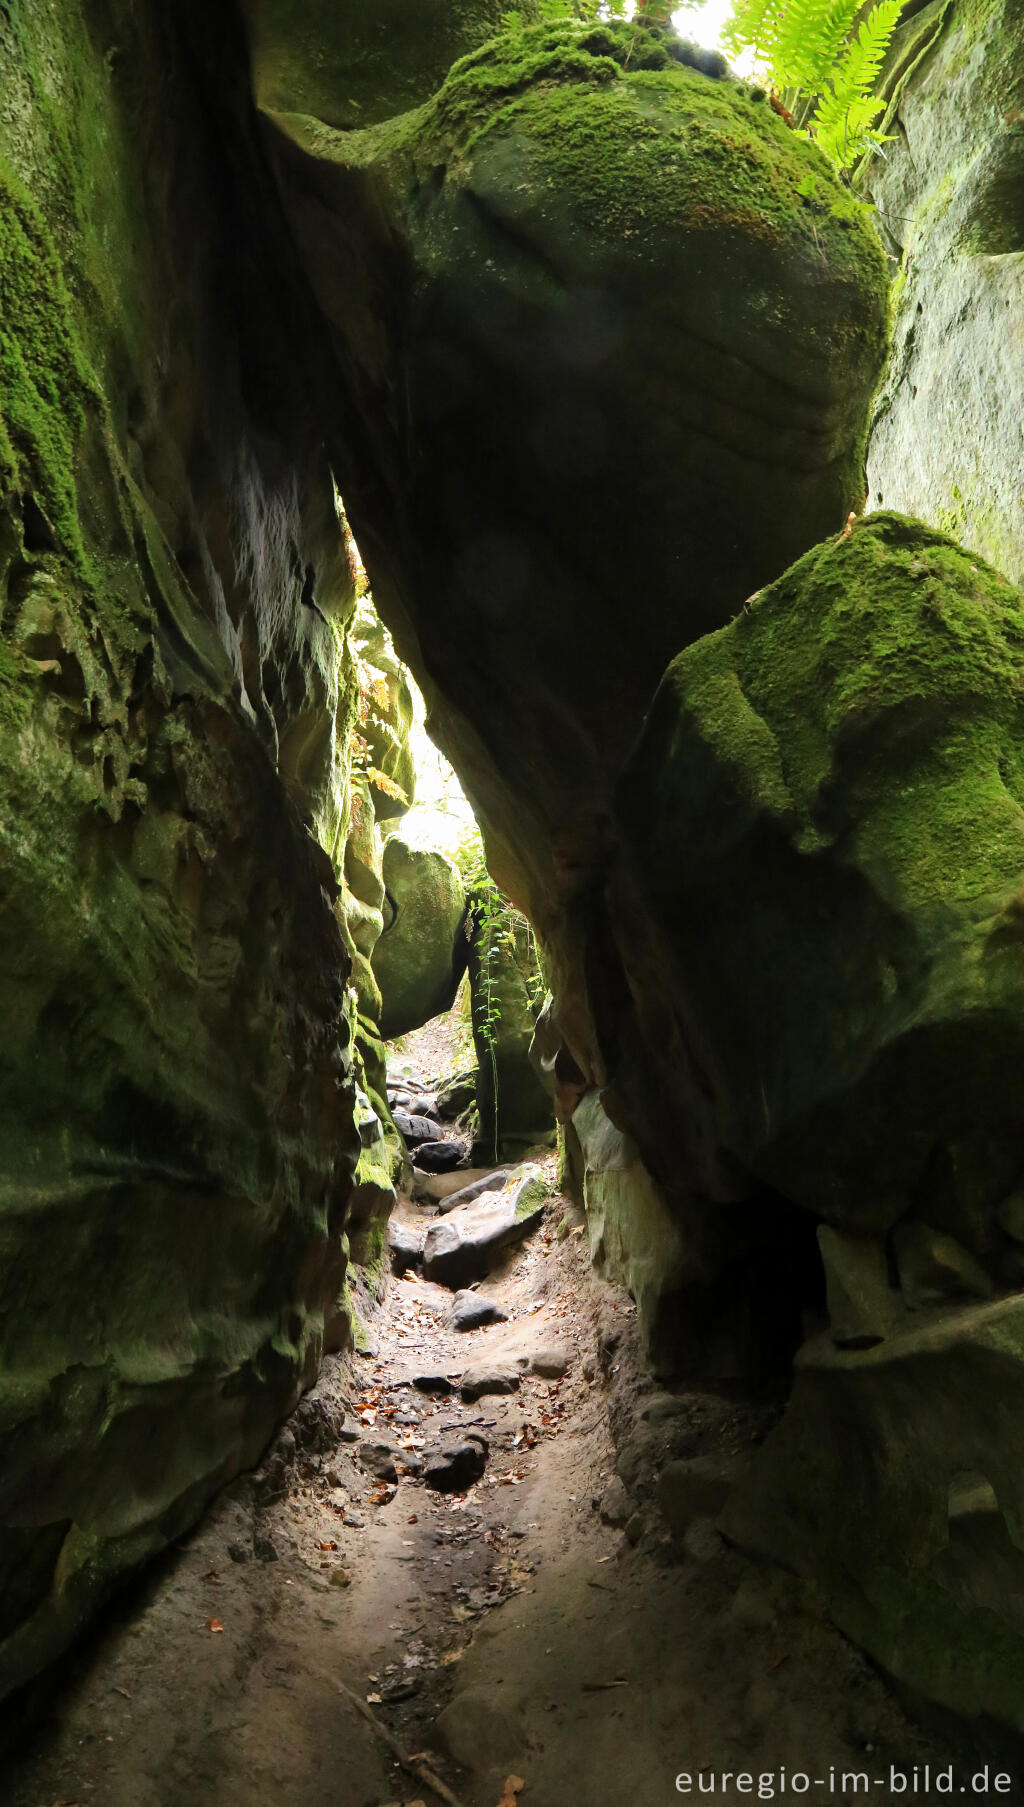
(495, 928)
(848, 108)
(548, 12)
(827, 70)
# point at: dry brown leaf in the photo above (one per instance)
(214, 1625)
(514, 1786)
(373, 1700)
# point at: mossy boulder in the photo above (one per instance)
(351, 63)
(635, 326)
(825, 819)
(421, 955)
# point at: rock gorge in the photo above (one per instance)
(588, 341)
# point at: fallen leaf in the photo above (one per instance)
(514, 1786)
(373, 1700)
(214, 1625)
(329, 1544)
(452, 1656)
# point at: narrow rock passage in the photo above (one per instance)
(542, 1624)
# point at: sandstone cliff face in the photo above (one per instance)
(587, 340)
(946, 440)
(175, 1090)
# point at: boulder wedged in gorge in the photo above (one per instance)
(825, 957)
(175, 1076)
(421, 955)
(823, 825)
(610, 332)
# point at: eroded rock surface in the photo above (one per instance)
(578, 227)
(421, 955)
(945, 443)
(176, 1078)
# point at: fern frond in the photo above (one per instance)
(848, 108)
(806, 51)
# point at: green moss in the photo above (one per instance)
(889, 652)
(44, 384)
(689, 146)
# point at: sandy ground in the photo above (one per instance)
(509, 1634)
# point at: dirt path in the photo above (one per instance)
(507, 1631)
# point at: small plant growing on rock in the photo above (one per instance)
(821, 69)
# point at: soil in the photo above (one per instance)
(505, 1636)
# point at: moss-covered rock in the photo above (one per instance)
(175, 1078)
(826, 809)
(351, 63)
(634, 326)
(421, 956)
(384, 716)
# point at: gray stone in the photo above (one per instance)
(490, 1377)
(421, 955)
(472, 1311)
(414, 1130)
(453, 1467)
(551, 1362)
(945, 444)
(434, 1383)
(379, 1459)
(406, 1245)
(456, 1094)
(434, 1188)
(495, 1181)
(635, 1238)
(467, 1244)
(438, 1156)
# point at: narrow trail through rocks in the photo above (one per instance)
(547, 1624)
